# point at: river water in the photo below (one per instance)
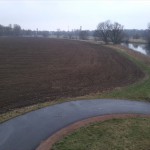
(143, 48)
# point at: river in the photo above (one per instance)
(143, 48)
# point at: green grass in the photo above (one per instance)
(137, 91)
(115, 134)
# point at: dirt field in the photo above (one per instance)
(35, 70)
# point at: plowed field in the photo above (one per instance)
(35, 70)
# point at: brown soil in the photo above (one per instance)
(47, 144)
(34, 70)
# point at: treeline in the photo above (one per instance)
(106, 31)
(115, 33)
(16, 30)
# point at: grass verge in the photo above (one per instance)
(115, 134)
(136, 91)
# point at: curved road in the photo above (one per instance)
(26, 132)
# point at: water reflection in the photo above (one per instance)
(143, 48)
(135, 45)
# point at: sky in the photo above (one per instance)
(71, 14)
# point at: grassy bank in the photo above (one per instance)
(137, 91)
(115, 134)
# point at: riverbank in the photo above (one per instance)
(139, 90)
(139, 41)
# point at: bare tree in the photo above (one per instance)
(110, 32)
(148, 26)
(70, 34)
(96, 35)
(116, 33)
(1, 30)
(17, 30)
(148, 34)
(103, 29)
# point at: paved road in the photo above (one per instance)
(28, 131)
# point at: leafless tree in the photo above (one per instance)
(148, 33)
(70, 34)
(116, 32)
(17, 30)
(96, 35)
(148, 26)
(103, 29)
(110, 32)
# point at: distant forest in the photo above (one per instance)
(16, 30)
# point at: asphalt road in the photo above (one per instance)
(26, 132)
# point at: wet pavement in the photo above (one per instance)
(26, 132)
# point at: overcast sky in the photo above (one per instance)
(71, 14)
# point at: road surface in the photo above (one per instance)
(26, 132)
